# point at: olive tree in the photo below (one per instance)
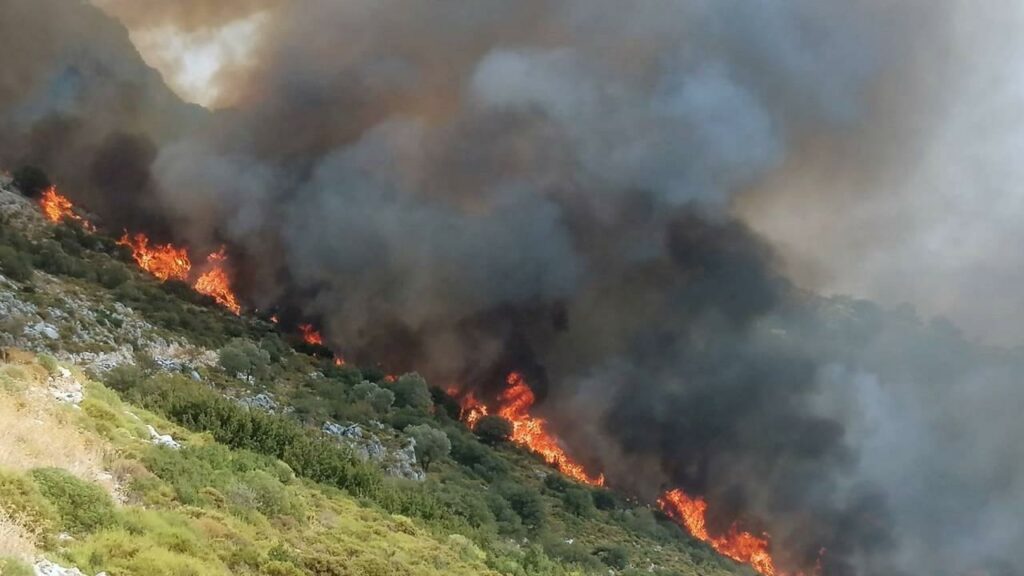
(431, 444)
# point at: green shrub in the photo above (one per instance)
(113, 274)
(525, 502)
(49, 363)
(21, 499)
(378, 398)
(478, 458)
(493, 429)
(307, 452)
(613, 556)
(578, 502)
(51, 258)
(243, 357)
(14, 567)
(411, 391)
(15, 265)
(124, 377)
(82, 507)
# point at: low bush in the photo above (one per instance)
(21, 500)
(15, 265)
(307, 452)
(493, 429)
(525, 502)
(82, 507)
(15, 567)
(49, 363)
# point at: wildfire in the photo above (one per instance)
(472, 410)
(737, 544)
(214, 282)
(168, 262)
(57, 208)
(311, 335)
(339, 361)
(527, 430)
(165, 261)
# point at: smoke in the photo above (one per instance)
(613, 202)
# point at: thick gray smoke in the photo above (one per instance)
(553, 186)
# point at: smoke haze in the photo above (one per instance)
(637, 208)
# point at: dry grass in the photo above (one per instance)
(16, 540)
(37, 431)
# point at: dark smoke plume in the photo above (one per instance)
(467, 189)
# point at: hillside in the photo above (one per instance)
(146, 430)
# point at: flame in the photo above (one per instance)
(472, 410)
(737, 544)
(311, 335)
(56, 208)
(339, 361)
(527, 431)
(165, 261)
(274, 319)
(214, 282)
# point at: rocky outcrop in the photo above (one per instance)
(262, 401)
(65, 388)
(400, 463)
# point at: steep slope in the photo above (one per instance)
(219, 445)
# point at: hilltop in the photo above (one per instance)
(148, 430)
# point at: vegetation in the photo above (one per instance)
(493, 429)
(431, 444)
(254, 492)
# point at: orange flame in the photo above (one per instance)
(527, 431)
(339, 361)
(214, 282)
(311, 335)
(165, 261)
(737, 544)
(472, 410)
(57, 208)
(530, 431)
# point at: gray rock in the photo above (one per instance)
(64, 388)
(195, 376)
(260, 401)
(47, 568)
(42, 329)
(339, 431)
(162, 439)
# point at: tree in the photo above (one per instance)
(493, 429)
(431, 444)
(243, 357)
(411, 390)
(378, 398)
(31, 180)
